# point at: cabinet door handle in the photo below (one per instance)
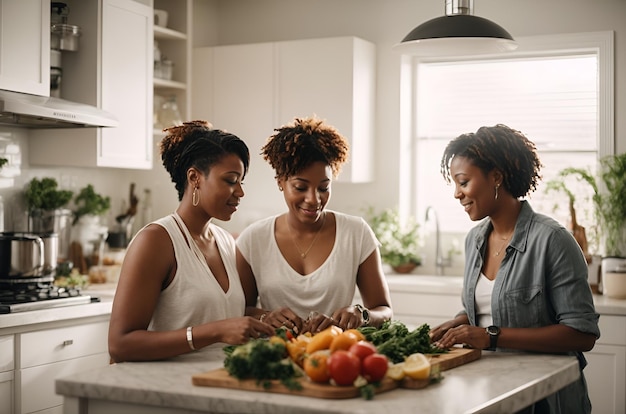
(68, 342)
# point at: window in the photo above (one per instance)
(557, 92)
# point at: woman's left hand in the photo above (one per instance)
(473, 336)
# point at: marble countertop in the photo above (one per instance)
(498, 382)
(452, 285)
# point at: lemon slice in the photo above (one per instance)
(417, 366)
(396, 371)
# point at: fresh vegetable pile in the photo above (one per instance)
(262, 360)
(394, 340)
(361, 358)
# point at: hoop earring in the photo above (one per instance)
(497, 186)
(195, 197)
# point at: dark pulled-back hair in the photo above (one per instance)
(196, 144)
(296, 146)
(498, 147)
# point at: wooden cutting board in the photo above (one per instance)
(221, 379)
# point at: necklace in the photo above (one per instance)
(303, 254)
(505, 241)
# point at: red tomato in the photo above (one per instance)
(374, 367)
(344, 367)
(362, 349)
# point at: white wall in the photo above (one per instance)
(382, 22)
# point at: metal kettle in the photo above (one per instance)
(21, 255)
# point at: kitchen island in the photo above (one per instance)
(496, 383)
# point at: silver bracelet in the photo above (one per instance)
(190, 338)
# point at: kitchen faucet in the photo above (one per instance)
(440, 261)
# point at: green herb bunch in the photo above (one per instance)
(400, 241)
(89, 202)
(394, 340)
(43, 194)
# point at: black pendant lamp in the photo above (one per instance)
(459, 32)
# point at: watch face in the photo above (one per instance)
(493, 330)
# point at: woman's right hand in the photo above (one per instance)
(283, 317)
(237, 331)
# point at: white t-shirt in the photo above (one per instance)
(328, 288)
(195, 297)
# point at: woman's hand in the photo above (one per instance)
(237, 331)
(473, 336)
(438, 332)
(284, 317)
(317, 322)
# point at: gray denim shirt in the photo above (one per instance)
(542, 281)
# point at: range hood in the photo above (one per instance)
(32, 111)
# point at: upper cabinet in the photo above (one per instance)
(25, 46)
(111, 70)
(172, 59)
(251, 89)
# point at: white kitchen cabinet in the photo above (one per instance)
(25, 46)
(233, 89)
(333, 78)
(111, 70)
(606, 369)
(47, 354)
(7, 380)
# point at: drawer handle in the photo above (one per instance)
(68, 342)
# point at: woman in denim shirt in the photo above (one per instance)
(525, 280)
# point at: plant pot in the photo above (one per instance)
(404, 268)
(614, 277)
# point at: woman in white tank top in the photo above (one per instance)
(178, 289)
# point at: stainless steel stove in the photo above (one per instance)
(26, 294)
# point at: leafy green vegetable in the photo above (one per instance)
(394, 340)
(262, 360)
(43, 194)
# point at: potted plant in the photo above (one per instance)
(89, 207)
(609, 201)
(89, 203)
(400, 240)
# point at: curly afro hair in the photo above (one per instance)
(296, 146)
(196, 144)
(498, 147)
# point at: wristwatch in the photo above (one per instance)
(365, 314)
(493, 332)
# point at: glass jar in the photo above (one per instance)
(169, 115)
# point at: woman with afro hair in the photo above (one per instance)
(525, 281)
(300, 269)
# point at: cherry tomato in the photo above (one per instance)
(344, 367)
(374, 367)
(362, 349)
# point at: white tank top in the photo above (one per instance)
(484, 288)
(194, 296)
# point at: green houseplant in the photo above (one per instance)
(400, 241)
(608, 197)
(43, 194)
(88, 202)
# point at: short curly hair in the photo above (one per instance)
(307, 140)
(498, 147)
(196, 144)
